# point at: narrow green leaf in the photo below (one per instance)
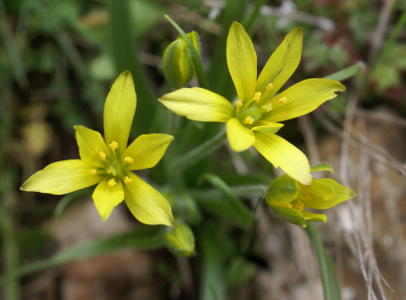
(194, 55)
(236, 205)
(67, 199)
(328, 274)
(321, 167)
(347, 72)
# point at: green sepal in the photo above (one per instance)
(321, 167)
(311, 217)
(180, 241)
(288, 214)
(283, 190)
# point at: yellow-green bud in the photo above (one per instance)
(177, 64)
(180, 240)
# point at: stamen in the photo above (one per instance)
(257, 96)
(267, 107)
(287, 205)
(128, 160)
(299, 206)
(238, 103)
(127, 180)
(303, 189)
(113, 145)
(111, 182)
(269, 87)
(282, 100)
(92, 172)
(306, 197)
(102, 155)
(249, 120)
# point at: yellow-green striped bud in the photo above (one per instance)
(177, 64)
(180, 241)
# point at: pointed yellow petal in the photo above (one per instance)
(146, 203)
(281, 65)
(342, 193)
(147, 150)
(239, 136)
(199, 104)
(119, 111)
(321, 189)
(62, 177)
(90, 144)
(270, 127)
(107, 197)
(241, 61)
(311, 217)
(302, 98)
(288, 214)
(283, 154)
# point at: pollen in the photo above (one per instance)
(249, 120)
(269, 87)
(113, 145)
(306, 197)
(267, 107)
(112, 182)
(287, 205)
(238, 103)
(127, 180)
(257, 96)
(92, 172)
(299, 206)
(128, 160)
(102, 155)
(282, 100)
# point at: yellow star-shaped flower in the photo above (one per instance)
(109, 163)
(254, 120)
(287, 197)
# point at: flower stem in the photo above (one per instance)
(199, 152)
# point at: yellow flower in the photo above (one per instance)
(109, 164)
(288, 197)
(254, 120)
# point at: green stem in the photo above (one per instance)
(203, 82)
(347, 72)
(199, 152)
(250, 23)
(331, 286)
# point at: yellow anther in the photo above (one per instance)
(267, 107)
(303, 189)
(128, 160)
(102, 155)
(127, 180)
(238, 103)
(249, 120)
(111, 182)
(287, 205)
(113, 145)
(299, 206)
(257, 96)
(269, 87)
(282, 100)
(306, 197)
(92, 172)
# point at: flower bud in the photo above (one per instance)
(180, 240)
(177, 64)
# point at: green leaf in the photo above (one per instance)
(239, 271)
(321, 167)
(328, 274)
(347, 72)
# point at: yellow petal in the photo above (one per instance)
(311, 217)
(199, 104)
(239, 136)
(146, 203)
(61, 178)
(302, 98)
(107, 197)
(90, 144)
(271, 127)
(283, 154)
(281, 65)
(147, 150)
(241, 61)
(321, 189)
(119, 111)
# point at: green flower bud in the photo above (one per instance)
(177, 64)
(180, 241)
(287, 197)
